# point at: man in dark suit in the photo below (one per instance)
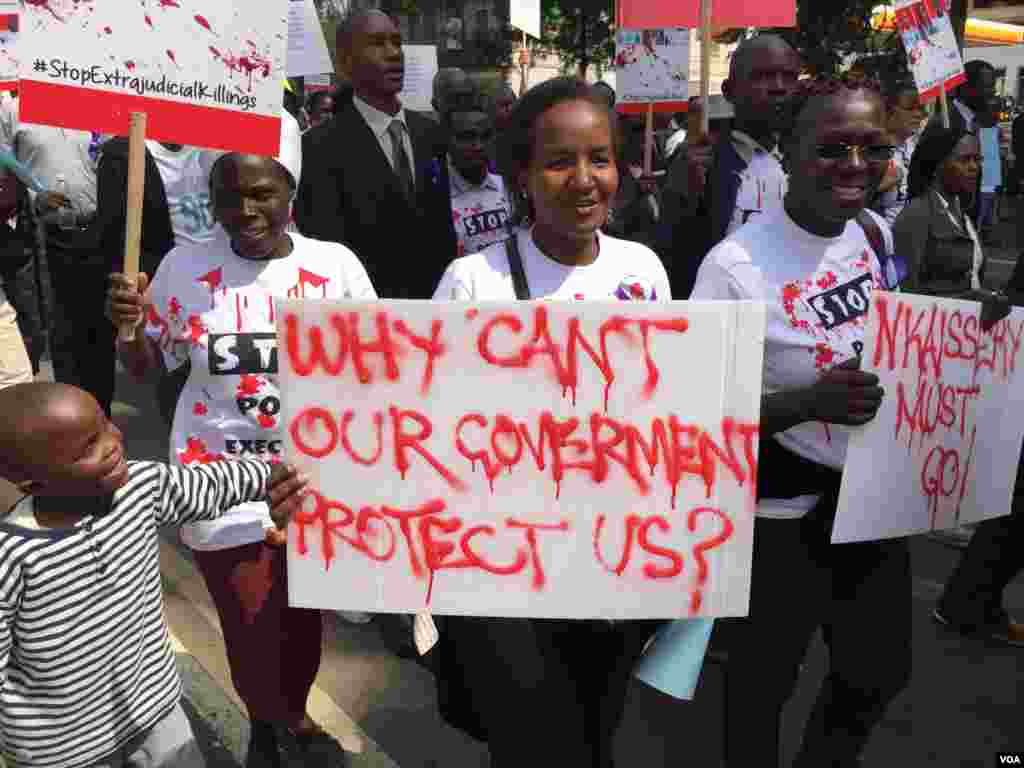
(370, 175)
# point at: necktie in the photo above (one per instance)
(401, 158)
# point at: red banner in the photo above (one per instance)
(656, 14)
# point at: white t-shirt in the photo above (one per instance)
(817, 291)
(762, 184)
(892, 202)
(216, 309)
(623, 270)
(479, 212)
(186, 177)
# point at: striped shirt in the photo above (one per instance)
(85, 658)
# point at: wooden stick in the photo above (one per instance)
(136, 189)
(649, 141)
(944, 104)
(705, 63)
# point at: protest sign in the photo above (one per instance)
(9, 32)
(307, 49)
(652, 66)
(655, 14)
(420, 68)
(555, 459)
(944, 447)
(525, 15)
(930, 44)
(206, 72)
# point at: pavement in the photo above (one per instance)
(962, 706)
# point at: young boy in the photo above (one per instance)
(87, 676)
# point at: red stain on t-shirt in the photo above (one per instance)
(249, 384)
(195, 452)
(202, 22)
(200, 409)
(267, 421)
(196, 329)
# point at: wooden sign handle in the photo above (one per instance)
(649, 140)
(136, 189)
(705, 64)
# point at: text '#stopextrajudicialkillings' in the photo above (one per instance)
(59, 69)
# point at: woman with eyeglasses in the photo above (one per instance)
(815, 261)
(935, 236)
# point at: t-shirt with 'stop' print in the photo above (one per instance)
(817, 291)
(623, 270)
(214, 309)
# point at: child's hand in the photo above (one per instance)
(127, 300)
(285, 492)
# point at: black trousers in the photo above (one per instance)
(860, 595)
(82, 339)
(543, 692)
(23, 290)
(973, 598)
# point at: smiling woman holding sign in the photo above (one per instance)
(814, 264)
(210, 313)
(547, 689)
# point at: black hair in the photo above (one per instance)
(817, 89)
(896, 87)
(347, 26)
(606, 92)
(469, 99)
(515, 143)
(935, 146)
(313, 102)
(974, 68)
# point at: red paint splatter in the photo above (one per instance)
(311, 279)
(202, 22)
(149, 21)
(170, 55)
(267, 421)
(216, 54)
(44, 5)
(200, 409)
(108, 30)
(169, 4)
(824, 356)
(212, 280)
(196, 329)
(174, 307)
(195, 451)
(130, 66)
(249, 384)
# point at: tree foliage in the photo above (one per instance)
(580, 32)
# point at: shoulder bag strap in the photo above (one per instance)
(515, 263)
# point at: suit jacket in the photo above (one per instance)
(939, 253)
(104, 238)
(350, 194)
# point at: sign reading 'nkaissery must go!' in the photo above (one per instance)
(207, 73)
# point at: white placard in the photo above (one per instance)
(458, 467)
(930, 44)
(525, 15)
(944, 447)
(420, 68)
(208, 73)
(652, 66)
(307, 49)
(10, 20)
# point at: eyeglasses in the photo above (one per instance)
(840, 150)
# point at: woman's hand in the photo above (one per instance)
(845, 395)
(126, 300)
(285, 493)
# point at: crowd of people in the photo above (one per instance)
(494, 197)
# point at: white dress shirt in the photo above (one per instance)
(379, 122)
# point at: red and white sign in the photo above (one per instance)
(944, 447)
(207, 72)
(928, 39)
(549, 459)
(725, 14)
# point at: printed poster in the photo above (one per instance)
(944, 447)
(307, 48)
(652, 66)
(9, 31)
(930, 44)
(546, 459)
(420, 68)
(207, 72)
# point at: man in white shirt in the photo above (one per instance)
(366, 176)
(480, 209)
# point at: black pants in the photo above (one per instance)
(544, 692)
(973, 598)
(22, 289)
(860, 595)
(82, 339)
